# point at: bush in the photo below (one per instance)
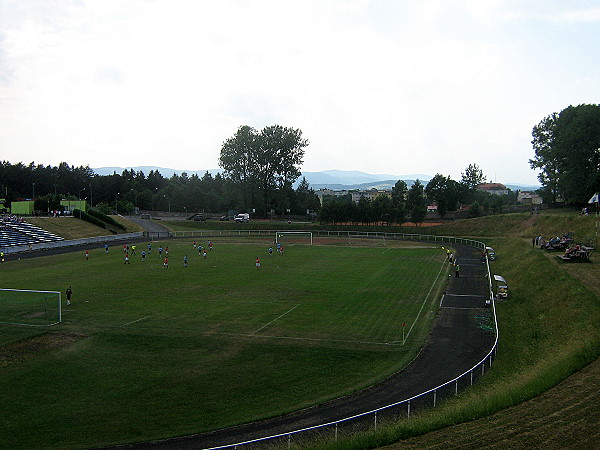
(105, 218)
(91, 219)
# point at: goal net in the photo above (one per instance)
(294, 237)
(30, 308)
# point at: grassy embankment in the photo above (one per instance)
(73, 228)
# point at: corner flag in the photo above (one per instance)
(595, 199)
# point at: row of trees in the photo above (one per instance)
(567, 151)
(410, 204)
(259, 171)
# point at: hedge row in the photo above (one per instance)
(103, 217)
(88, 218)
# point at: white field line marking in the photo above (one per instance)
(276, 318)
(134, 321)
(425, 300)
(294, 338)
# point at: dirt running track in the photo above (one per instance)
(459, 339)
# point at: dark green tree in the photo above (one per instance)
(443, 191)
(567, 151)
(415, 203)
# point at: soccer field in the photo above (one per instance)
(147, 352)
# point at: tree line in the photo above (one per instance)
(259, 170)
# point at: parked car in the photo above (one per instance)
(224, 218)
(197, 217)
(242, 218)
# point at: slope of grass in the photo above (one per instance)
(549, 329)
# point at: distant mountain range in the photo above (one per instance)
(326, 179)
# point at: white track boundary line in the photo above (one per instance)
(134, 321)
(425, 301)
(276, 318)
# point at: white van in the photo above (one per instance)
(242, 218)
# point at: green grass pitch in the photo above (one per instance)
(155, 352)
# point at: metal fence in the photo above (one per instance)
(403, 408)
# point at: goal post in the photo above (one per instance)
(30, 307)
(301, 237)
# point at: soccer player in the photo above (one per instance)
(166, 263)
(281, 251)
(185, 261)
(270, 251)
(149, 248)
(106, 248)
(160, 252)
(209, 245)
(126, 259)
(143, 256)
(278, 247)
(87, 255)
(132, 250)
(257, 263)
(69, 292)
(199, 250)
(204, 253)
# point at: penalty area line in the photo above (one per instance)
(276, 318)
(134, 321)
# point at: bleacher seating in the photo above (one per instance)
(15, 232)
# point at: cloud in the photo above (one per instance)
(425, 86)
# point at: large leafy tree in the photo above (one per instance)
(567, 151)
(278, 156)
(545, 158)
(444, 191)
(268, 160)
(238, 155)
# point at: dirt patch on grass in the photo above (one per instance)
(35, 346)
(566, 416)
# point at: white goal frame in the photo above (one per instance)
(279, 234)
(39, 292)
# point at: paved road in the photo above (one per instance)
(461, 336)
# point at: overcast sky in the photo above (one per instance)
(387, 86)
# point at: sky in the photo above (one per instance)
(379, 86)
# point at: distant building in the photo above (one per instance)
(529, 198)
(321, 193)
(370, 194)
(70, 205)
(23, 208)
(493, 188)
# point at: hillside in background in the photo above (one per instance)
(326, 179)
